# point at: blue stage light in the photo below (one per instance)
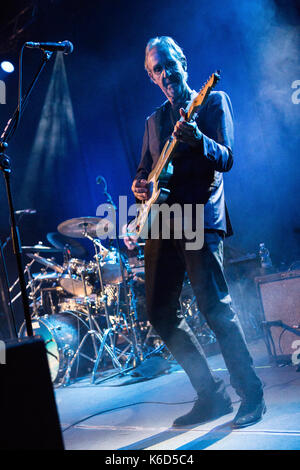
(7, 66)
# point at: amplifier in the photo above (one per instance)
(29, 417)
(280, 300)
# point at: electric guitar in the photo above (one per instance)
(161, 174)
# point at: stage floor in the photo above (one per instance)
(140, 415)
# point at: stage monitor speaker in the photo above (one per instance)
(29, 418)
(280, 299)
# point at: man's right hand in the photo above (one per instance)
(140, 189)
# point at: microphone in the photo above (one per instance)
(25, 211)
(65, 46)
(100, 179)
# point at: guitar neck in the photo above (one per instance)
(166, 155)
(171, 144)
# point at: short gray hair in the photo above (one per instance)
(164, 42)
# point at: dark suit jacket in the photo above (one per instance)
(198, 173)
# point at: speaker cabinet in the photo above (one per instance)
(29, 418)
(280, 300)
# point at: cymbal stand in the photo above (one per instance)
(95, 333)
(33, 289)
(110, 332)
(98, 247)
(28, 285)
(136, 351)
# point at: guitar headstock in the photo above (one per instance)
(206, 89)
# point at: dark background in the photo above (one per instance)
(86, 116)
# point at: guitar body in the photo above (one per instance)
(159, 177)
(141, 224)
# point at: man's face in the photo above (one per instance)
(168, 72)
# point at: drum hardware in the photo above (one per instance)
(40, 248)
(49, 263)
(32, 295)
(100, 254)
(105, 304)
(50, 300)
(94, 331)
(136, 350)
(45, 276)
(61, 334)
(30, 283)
(113, 329)
(71, 280)
(34, 284)
(78, 304)
(17, 280)
(189, 310)
(111, 269)
(72, 246)
(153, 342)
(137, 353)
(46, 301)
(130, 319)
(49, 292)
(83, 226)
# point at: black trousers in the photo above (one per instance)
(166, 262)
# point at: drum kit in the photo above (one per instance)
(89, 313)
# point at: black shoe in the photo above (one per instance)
(205, 410)
(249, 413)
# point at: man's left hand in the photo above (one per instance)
(187, 132)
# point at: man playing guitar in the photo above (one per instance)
(204, 152)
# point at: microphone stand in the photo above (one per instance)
(5, 166)
(6, 300)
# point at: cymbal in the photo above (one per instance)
(91, 225)
(60, 241)
(46, 262)
(41, 248)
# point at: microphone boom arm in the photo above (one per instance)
(5, 166)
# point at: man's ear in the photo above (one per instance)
(184, 63)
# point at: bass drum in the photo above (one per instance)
(62, 334)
